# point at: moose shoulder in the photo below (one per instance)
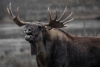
(56, 48)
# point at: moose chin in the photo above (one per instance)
(55, 48)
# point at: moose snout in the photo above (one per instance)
(27, 32)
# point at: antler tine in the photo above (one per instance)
(10, 11)
(68, 21)
(56, 14)
(49, 14)
(67, 18)
(62, 14)
(16, 18)
(17, 13)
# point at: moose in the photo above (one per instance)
(55, 48)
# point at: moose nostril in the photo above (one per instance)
(29, 29)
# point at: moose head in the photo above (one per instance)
(32, 30)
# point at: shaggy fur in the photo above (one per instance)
(56, 48)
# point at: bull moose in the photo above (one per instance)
(55, 48)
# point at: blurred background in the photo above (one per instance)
(15, 51)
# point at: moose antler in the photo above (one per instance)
(54, 23)
(16, 18)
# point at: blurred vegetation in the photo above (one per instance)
(17, 60)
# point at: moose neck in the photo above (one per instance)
(37, 44)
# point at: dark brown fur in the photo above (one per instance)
(57, 48)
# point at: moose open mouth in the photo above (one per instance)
(29, 36)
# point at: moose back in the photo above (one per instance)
(56, 48)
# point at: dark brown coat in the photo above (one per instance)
(60, 49)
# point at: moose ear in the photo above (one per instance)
(48, 27)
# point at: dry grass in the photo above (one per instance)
(19, 60)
